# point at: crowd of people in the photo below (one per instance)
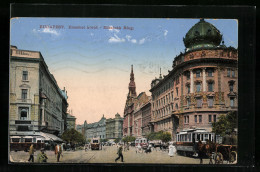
(41, 156)
(58, 149)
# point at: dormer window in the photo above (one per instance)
(209, 32)
(197, 33)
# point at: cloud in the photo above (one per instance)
(51, 31)
(128, 37)
(165, 32)
(133, 41)
(141, 41)
(48, 31)
(116, 39)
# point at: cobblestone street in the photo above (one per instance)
(108, 155)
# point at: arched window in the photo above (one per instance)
(24, 113)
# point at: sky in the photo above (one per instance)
(92, 57)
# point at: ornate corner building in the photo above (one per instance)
(201, 86)
(37, 104)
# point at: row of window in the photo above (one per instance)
(198, 119)
(210, 102)
(164, 100)
(165, 125)
(210, 87)
(198, 87)
(230, 73)
(198, 73)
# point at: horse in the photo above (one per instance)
(206, 150)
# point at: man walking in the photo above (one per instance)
(119, 152)
(58, 152)
(31, 152)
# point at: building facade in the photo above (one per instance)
(132, 124)
(129, 106)
(71, 121)
(64, 110)
(140, 101)
(96, 130)
(35, 98)
(146, 118)
(201, 86)
(114, 127)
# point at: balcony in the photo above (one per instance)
(24, 101)
(26, 122)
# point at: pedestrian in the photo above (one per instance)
(200, 151)
(42, 157)
(31, 153)
(58, 152)
(172, 150)
(120, 154)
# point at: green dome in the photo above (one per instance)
(202, 34)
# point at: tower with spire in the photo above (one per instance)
(132, 87)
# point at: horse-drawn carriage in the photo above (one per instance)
(225, 153)
(202, 143)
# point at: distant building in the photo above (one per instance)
(64, 110)
(36, 101)
(81, 128)
(146, 118)
(132, 124)
(114, 127)
(97, 129)
(71, 121)
(140, 100)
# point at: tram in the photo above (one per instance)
(142, 141)
(186, 140)
(95, 144)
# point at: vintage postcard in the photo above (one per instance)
(123, 90)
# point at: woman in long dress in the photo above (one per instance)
(172, 150)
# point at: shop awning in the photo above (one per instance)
(51, 137)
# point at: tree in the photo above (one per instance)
(165, 137)
(73, 136)
(128, 139)
(117, 140)
(103, 140)
(226, 124)
(160, 135)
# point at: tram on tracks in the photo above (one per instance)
(187, 144)
(186, 140)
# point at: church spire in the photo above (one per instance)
(131, 86)
(160, 77)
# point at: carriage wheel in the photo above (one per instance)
(218, 158)
(233, 157)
